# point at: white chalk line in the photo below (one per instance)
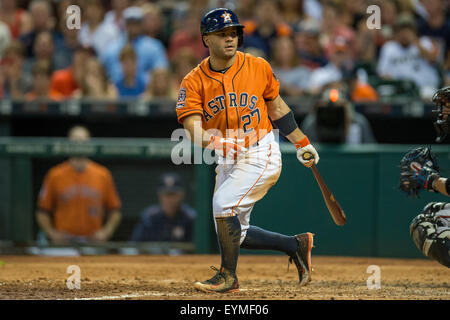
(133, 295)
(141, 295)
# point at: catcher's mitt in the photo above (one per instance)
(418, 170)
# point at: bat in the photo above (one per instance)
(333, 206)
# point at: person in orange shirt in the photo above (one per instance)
(227, 104)
(68, 81)
(76, 197)
(265, 27)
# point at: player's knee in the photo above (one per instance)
(220, 207)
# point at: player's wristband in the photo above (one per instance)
(302, 143)
(286, 124)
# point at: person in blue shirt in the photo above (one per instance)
(132, 82)
(150, 52)
(171, 219)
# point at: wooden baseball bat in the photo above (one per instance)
(333, 206)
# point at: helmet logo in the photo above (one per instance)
(226, 17)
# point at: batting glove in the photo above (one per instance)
(306, 153)
(226, 147)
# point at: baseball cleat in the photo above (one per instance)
(222, 282)
(302, 257)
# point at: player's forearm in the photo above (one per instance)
(440, 185)
(278, 109)
(44, 221)
(112, 222)
(196, 133)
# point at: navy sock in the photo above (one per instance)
(258, 238)
(229, 236)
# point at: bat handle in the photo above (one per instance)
(308, 156)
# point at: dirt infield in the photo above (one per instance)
(261, 277)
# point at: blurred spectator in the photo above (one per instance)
(68, 81)
(171, 219)
(132, 83)
(155, 24)
(389, 9)
(339, 68)
(245, 10)
(16, 83)
(307, 43)
(333, 27)
(255, 52)
(18, 20)
(95, 83)
(334, 120)
(188, 36)
(68, 37)
(360, 89)
(409, 58)
(366, 50)
(160, 86)
(78, 200)
(182, 63)
(294, 79)
(291, 11)
(43, 20)
(94, 32)
(266, 26)
(313, 9)
(43, 50)
(436, 25)
(5, 37)
(150, 52)
(65, 49)
(353, 12)
(41, 83)
(114, 18)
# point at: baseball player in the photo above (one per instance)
(226, 104)
(430, 230)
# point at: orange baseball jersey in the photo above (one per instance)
(78, 200)
(235, 99)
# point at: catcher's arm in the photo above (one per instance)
(442, 185)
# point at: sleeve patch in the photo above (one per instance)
(181, 98)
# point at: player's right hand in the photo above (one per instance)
(306, 153)
(226, 147)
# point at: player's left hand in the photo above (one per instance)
(418, 171)
(227, 147)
